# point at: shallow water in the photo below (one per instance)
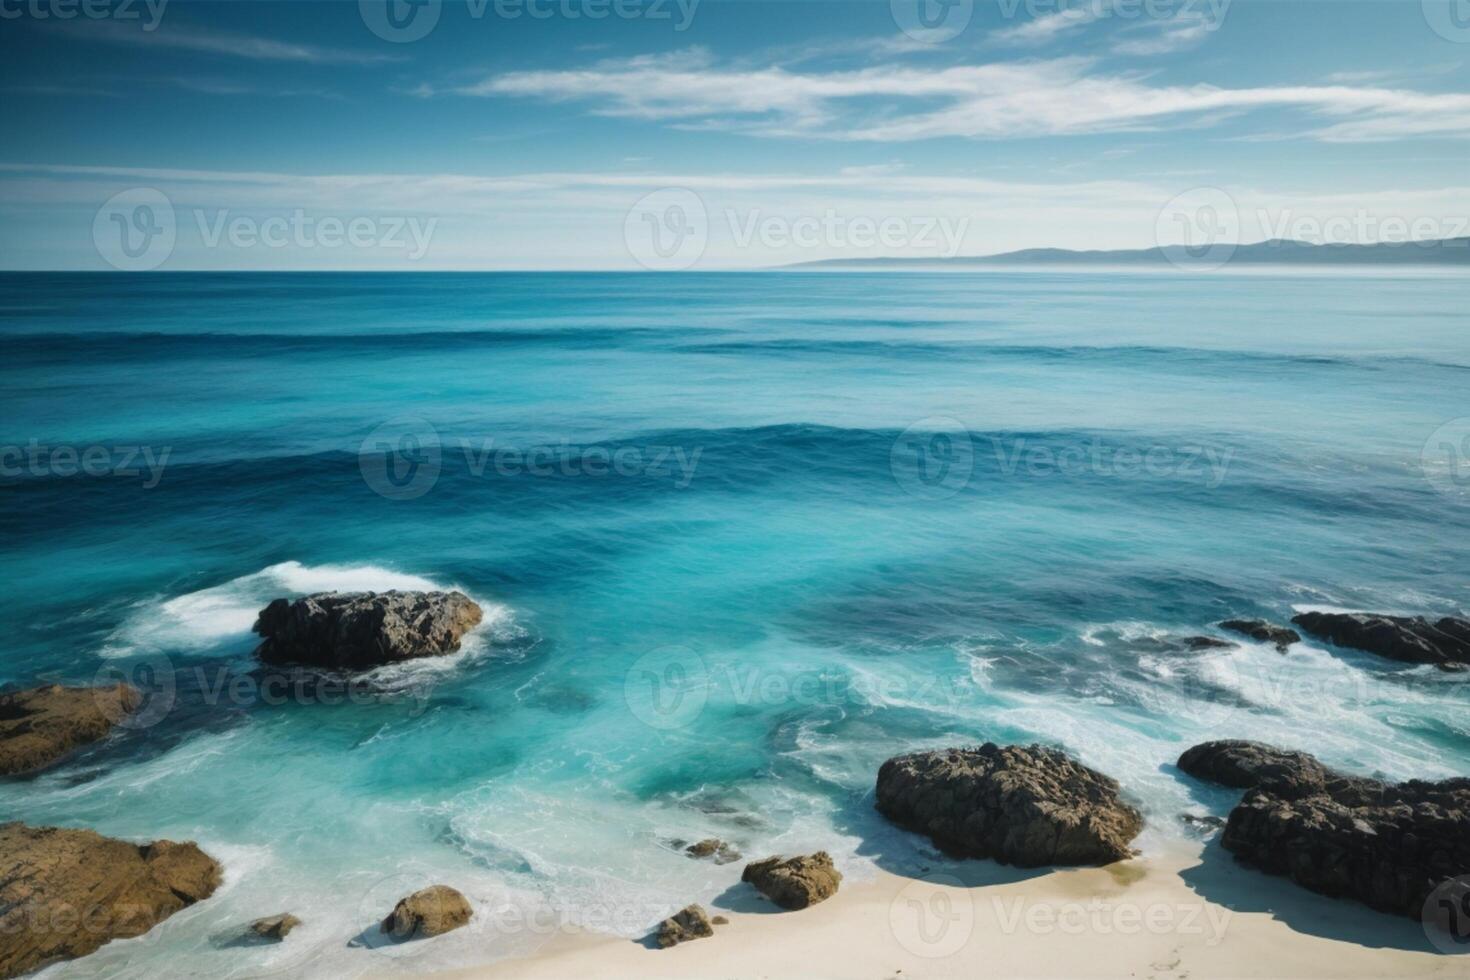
(739, 539)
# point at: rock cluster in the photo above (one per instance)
(64, 893)
(1386, 845)
(794, 883)
(362, 630)
(713, 848)
(1263, 632)
(1411, 639)
(39, 726)
(1027, 806)
(429, 912)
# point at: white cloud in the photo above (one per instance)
(199, 40)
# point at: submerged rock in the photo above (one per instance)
(64, 893)
(1263, 632)
(431, 911)
(1206, 643)
(689, 923)
(1387, 845)
(714, 848)
(794, 883)
(1027, 806)
(1411, 639)
(43, 724)
(275, 927)
(362, 630)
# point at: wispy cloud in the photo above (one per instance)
(1137, 29)
(1000, 100)
(253, 47)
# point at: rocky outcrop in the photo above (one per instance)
(1386, 845)
(1206, 643)
(1263, 632)
(1027, 806)
(41, 725)
(690, 923)
(275, 927)
(64, 893)
(431, 911)
(794, 883)
(362, 630)
(1411, 639)
(714, 849)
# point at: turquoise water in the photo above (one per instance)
(739, 539)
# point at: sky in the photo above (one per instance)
(713, 134)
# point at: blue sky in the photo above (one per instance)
(555, 133)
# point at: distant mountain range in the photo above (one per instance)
(1441, 252)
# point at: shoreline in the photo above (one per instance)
(1188, 912)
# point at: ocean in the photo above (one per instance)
(739, 538)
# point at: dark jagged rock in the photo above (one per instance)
(64, 893)
(1410, 639)
(1263, 632)
(1027, 806)
(275, 927)
(429, 912)
(1386, 845)
(362, 630)
(794, 883)
(41, 725)
(1206, 643)
(714, 848)
(682, 926)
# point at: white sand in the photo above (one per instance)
(1189, 914)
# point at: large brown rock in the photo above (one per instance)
(275, 927)
(1387, 845)
(63, 893)
(431, 911)
(39, 726)
(1027, 806)
(794, 883)
(362, 630)
(1411, 639)
(689, 923)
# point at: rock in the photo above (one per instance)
(1263, 632)
(275, 927)
(691, 923)
(794, 883)
(1205, 823)
(432, 911)
(713, 847)
(64, 893)
(1024, 806)
(1389, 854)
(1206, 643)
(1290, 775)
(1409, 639)
(362, 630)
(39, 726)
(720, 920)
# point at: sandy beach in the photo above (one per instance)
(1188, 913)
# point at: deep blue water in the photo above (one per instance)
(740, 538)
